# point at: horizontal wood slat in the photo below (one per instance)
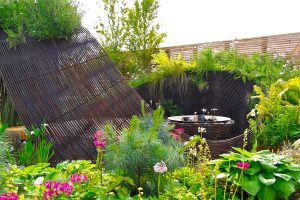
(286, 45)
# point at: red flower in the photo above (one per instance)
(243, 165)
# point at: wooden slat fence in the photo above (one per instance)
(285, 45)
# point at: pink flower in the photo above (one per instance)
(179, 130)
(160, 167)
(54, 188)
(99, 139)
(66, 188)
(9, 196)
(78, 178)
(243, 165)
(176, 136)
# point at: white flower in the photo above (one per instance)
(45, 125)
(191, 137)
(32, 133)
(38, 181)
(193, 151)
(160, 167)
(201, 130)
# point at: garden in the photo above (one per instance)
(128, 143)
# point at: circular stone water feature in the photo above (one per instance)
(217, 127)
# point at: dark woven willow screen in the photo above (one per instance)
(71, 83)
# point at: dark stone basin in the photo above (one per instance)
(217, 127)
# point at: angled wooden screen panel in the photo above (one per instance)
(71, 83)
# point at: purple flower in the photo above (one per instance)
(9, 196)
(99, 139)
(160, 167)
(243, 165)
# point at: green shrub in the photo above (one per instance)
(278, 119)
(41, 19)
(146, 142)
(263, 69)
(170, 108)
(262, 175)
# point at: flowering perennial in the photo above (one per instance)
(201, 130)
(243, 165)
(176, 134)
(54, 188)
(99, 139)
(160, 167)
(9, 196)
(79, 178)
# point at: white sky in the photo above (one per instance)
(195, 21)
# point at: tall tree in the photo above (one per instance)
(144, 37)
(113, 30)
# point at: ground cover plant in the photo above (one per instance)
(262, 175)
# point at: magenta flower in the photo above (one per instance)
(54, 188)
(99, 139)
(243, 165)
(179, 130)
(176, 134)
(9, 196)
(78, 178)
(66, 188)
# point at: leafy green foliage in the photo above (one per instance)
(113, 31)
(146, 142)
(189, 183)
(278, 117)
(40, 19)
(171, 109)
(130, 35)
(36, 149)
(6, 155)
(144, 37)
(263, 69)
(21, 181)
(270, 176)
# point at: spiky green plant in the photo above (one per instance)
(146, 142)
